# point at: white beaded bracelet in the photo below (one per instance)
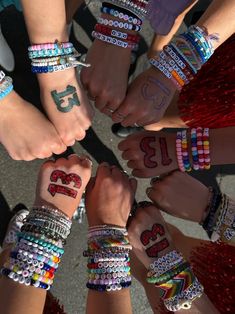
(2, 75)
(119, 24)
(114, 41)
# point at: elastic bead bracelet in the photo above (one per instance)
(185, 299)
(6, 92)
(194, 150)
(105, 30)
(50, 53)
(118, 24)
(2, 75)
(179, 151)
(185, 153)
(200, 150)
(206, 149)
(114, 41)
(50, 46)
(132, 7)
(119, 9)
(127, 18)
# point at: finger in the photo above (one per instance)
(135, 164)
(133, 184)
(117, 117)
(155, 197)
(141, 173)
(124, 145)
(103, 170)
(155, 180)
(130, 155)
(90, 186)
(117, 172)
(130, 119)
(100, 103)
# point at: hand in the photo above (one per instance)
(109, 196)
(150, 154)
(107, 78)
(171, 119)
(61, 183)
(180, 195)
(25, 132)
(147, 99)
(148, 235)
(66, 105)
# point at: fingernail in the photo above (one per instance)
(144, 204)
(154, 180)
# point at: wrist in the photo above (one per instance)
(56, 79)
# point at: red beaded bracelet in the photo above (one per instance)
(105, 30)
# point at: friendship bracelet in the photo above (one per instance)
(105, 30)
(119, 9)
(195, 156)
(132, 7)
(50, 53)
(122, 16)
(182, 151)
(49, 46)
(118, 24)
(114, 41)
(2, 75)
(108, 270)
(6, 87)
(185, 299)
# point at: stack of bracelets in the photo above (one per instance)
(219, 218)
(6, 85)
(124, 16)
(199, 147)
(181, 59)
(53, 57)
(174, 277)
(108, 264)
(36, 255)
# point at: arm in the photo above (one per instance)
(63, 99)
(109, 197)
(219, 18)
(22, 299)
(144, 221)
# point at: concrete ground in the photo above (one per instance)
(18, 178)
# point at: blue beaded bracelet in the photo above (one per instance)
(50, 53)
(6, 91)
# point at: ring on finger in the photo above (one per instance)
(110, 110)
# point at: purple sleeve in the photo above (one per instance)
(162, 13)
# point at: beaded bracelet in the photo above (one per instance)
(6, 87)
(34, 261)
(182, 151)
(136, 9)
(108, 258)
(173, 276)
(194, 149)
(118, 24)
(127, 18)
(105, 30)
(49, 46)
(2, 75)
(50, 53)
(185, 299)
(114, 41)
(119, 9)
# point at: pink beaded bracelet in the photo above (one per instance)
(48, 46)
